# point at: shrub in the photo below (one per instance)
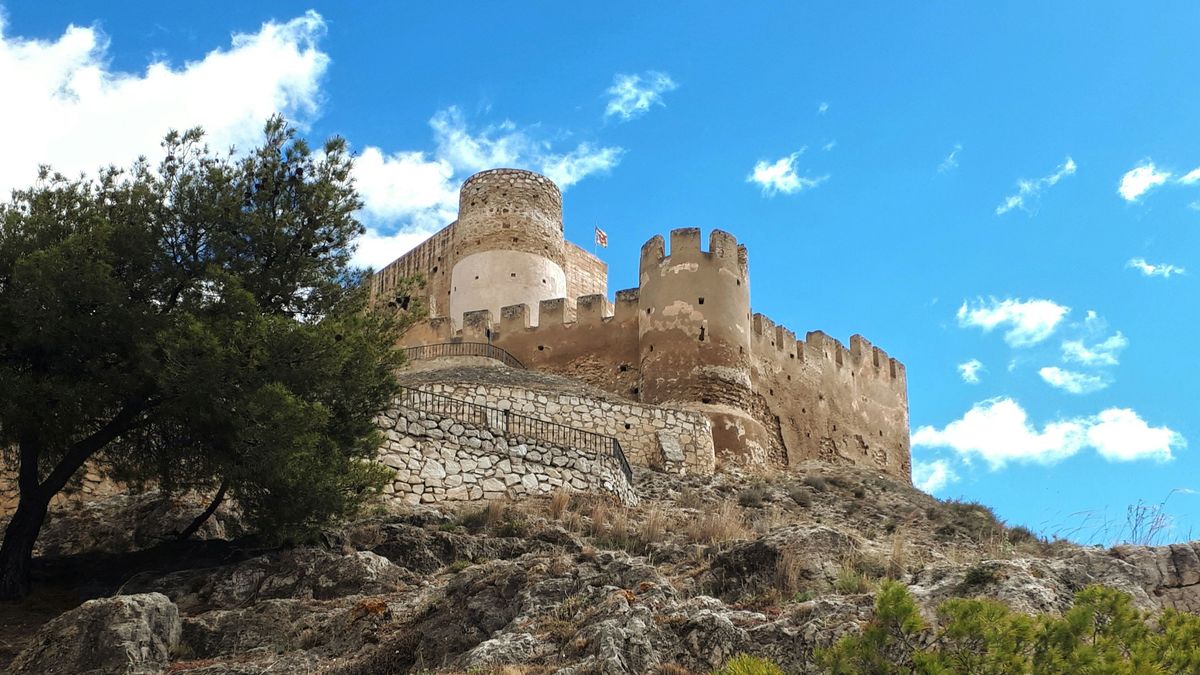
(802, 496)
(851, 580)
(459, 565)
(753, 496)
(1102, 632)
(744, 664)
(816, 482)
(1021, 535)
(979, 575)
(860, 492)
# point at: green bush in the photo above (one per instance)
(744, 664)
(1101, 633)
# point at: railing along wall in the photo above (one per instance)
(462, 349)
(512, 424)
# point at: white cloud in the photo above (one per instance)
(76, 113)
(1164, 270)
(933, 476)
(632, 95)
(1029, 190)
(570, 168)
(1140, 180)
(1028, 321)
(951, 161)
(970, 371)
(1103, 353)
(823, 108)
(998, 431)
(1071, 381)
(829, 146)
(780, 176)
(1119, 434)
(1190, 177)
(408, 196)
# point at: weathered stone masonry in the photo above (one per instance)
(442, 459)
(685, 339)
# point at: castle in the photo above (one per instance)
(538, 383)
(683, 346)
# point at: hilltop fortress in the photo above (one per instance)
(678, 369)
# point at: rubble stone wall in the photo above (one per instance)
(442, 459)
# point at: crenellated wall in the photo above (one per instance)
(685, 338)
(834, 404)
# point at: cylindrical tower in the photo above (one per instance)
(508, 243)
(694, 328)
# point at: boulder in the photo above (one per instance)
(121, 634)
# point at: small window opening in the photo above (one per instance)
(771, 392)
(514, 238)
(512, 274)
(647, 310)
(543, 281)
(628, 426)
(702, 333)
(835, 427)
(624, 367)
(476, 277)
(739, 282)
(651, 347)
(435, 269)
(541, 348)
(635, 391)
(881, 432)
(701, 301)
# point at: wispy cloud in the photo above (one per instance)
(829, 146)
(951, 161)
(1071, 381)
(969, 371)
(408, 196)
(1164, 270)
(632, 95)
(933, 476)
(1190, 178)
(1140, 180)
(1103, 353)
(999, 432)
(1028, 321)
(1029, 190)
(780, 176)
(823, 108)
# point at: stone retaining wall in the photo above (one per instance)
(440, 459)
(677, 441)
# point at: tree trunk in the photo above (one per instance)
(204, 516)
(16, 553)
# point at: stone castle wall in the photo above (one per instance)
(443, 459)
(677, 441)
(686, 338)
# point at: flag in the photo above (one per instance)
(601, 238)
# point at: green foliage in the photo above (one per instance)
(744, 664)
(1101, 633)
(979, 575)
(197, 323)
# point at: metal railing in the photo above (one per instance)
(462, 349)
(510, 424)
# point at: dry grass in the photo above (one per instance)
(789, 568)
(560, 500)
(770, 519)
(654, 527)
(717, 527)
(897, 563)
(689, 499)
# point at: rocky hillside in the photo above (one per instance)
(703, 569)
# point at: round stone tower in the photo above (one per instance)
(508, 243)
(694, 329)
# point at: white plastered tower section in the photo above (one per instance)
(508, 244)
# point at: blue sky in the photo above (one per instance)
(1009, 187)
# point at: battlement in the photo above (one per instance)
(504, 177)
(685, 336)
(686, 247)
